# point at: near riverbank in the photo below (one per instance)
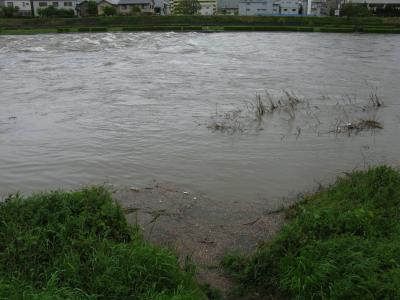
(199, 23)
(340, 242)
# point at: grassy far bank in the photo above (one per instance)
(199, 23)
(343, 242)
(78, 246)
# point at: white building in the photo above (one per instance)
(161, 7)
(64, 4)
(395, 3)
(228, 7)
(372, 4)
(24, 7)
(256, 8)
(318, 8)
(125, 7)
(208, 7)
(271, 8)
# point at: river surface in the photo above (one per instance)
(130, 108)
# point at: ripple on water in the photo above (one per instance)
(121, 107)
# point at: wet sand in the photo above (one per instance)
(192, 224)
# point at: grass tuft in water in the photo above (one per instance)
(78, 245)
(343, 242)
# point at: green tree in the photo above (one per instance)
(355, 10)
(52, 11)
(10, 11)
(136, 10)
(187, 7)
(110, 11)
(92, 8)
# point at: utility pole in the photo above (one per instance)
(309, 2)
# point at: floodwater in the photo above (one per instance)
(130, 108)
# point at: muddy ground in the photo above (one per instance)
(191, 224)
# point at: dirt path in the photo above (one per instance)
(199, 227)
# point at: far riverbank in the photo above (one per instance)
(199, 23)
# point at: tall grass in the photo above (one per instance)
(78, 245)
(341, 243)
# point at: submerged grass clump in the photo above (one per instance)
(78, 245)
(341, 243)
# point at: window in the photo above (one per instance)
(55, 4)
(67, 3)
(293, 9)
(124, 6)
(285, 9)
(42, 4)
(10, 4)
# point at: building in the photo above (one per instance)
(319, 8)
(127, 7)
(229, 11)
(161, 7)
(288, 8)
(271, 8)
(256, 8)
(60, 4)
(82, 8)
(208, 7)
(228, 7)
(24, 7)
(101, 4)
(374, 3)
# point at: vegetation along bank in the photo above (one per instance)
(342, 242)
(199, 23)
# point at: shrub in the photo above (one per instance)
(63, 30)
(355, 10)
(187, 7)
(110, 11)
(52, 11)
(9, 11)
(92, 8)
(98, 29)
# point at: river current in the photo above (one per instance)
(132, 108)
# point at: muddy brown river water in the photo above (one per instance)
(131, 108)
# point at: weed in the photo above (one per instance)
(211, 292)
(229, 122)
(356, 127)
(343, 242)
(375, 100)
(260, 108)
(78, 246)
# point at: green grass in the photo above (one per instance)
(196, 23)
(126, 21)
(78, 245)
(341, 243)
(381, 30)
(337, 29)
